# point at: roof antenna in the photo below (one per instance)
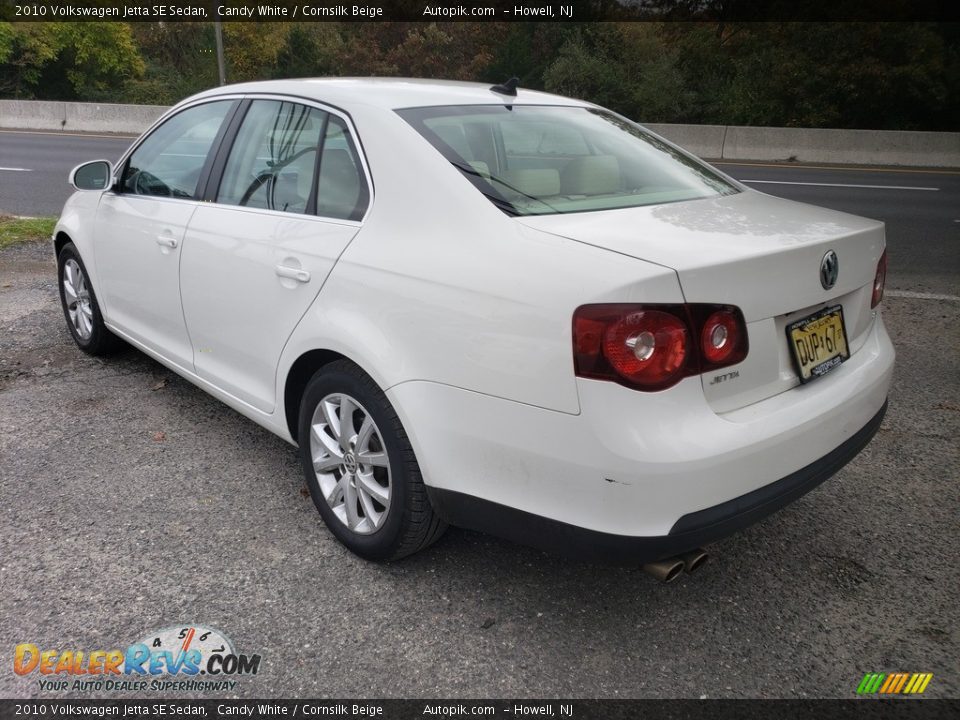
(507, 88)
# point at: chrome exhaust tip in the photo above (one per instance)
(694, 559)
(666, 571)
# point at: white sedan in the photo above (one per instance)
(496, 308)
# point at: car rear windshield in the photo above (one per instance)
(540, 160)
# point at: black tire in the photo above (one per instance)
(410, 524)
(100, 341)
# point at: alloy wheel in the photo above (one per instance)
(351, 463)
(76, 296)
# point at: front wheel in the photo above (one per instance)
(360, 468)
(80, 307)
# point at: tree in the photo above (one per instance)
(66, 60)
(180, 61)
(626, 67)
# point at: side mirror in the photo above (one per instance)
(91, 176)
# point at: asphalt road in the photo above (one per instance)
(133, 501)
(34, 167)
(921, 208)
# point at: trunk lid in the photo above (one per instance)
(758, 252)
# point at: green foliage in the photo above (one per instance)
(66, 60)
(526, 50)
(310, 50)
(27, 48)
(868, 75)
(180, 61)
(627, 67)
(6, 41)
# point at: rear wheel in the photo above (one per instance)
(80, 308)
(360, 468)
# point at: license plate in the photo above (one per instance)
(818, 343)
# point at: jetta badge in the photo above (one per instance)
(829, 269)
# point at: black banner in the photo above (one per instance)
(924, 709)
(477, 10)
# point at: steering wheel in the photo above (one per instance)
(149, 184)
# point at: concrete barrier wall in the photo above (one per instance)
(713, 142)
(78, 117)
(704, 141)
(815, 145)
(851, 147)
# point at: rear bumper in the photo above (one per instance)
(689, 532)
(640, 466)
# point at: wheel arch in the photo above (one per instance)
(59, 241)
(302, 369)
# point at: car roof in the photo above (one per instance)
(392, 93)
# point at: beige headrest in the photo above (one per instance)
(539, 183)
(591, 175)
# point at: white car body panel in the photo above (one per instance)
(612, 469)
(139, 286)
(501, 295)
(462, 315)
(755, 251)
(758, 252)
(238, 310)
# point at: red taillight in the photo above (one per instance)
(652, 347)
(648, 347)
(720, 337)
(879, 280)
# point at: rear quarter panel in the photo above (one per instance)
(441, 286)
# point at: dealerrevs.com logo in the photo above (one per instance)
(180, 658)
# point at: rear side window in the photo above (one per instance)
(171, 159)
(294, 158)
(342, 188)
(273, 160)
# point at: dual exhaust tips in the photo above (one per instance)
(668, 570)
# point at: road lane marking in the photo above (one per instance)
(118, 136)
(921, 296)
(872, 187)
(16, 169)
(845, 168)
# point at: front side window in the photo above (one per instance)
(539, 160)
(171, 159)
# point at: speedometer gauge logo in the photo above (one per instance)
(198, 642)
(191, 650)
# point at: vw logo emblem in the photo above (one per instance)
(350, 463)
(829, 269)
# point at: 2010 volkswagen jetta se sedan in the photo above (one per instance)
(496, 308)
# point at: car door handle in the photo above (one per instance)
(166, 241)
(292, 273)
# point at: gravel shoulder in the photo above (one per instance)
(133, 501)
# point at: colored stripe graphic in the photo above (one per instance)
(870, 683)
(894, 683)
(891, 681)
